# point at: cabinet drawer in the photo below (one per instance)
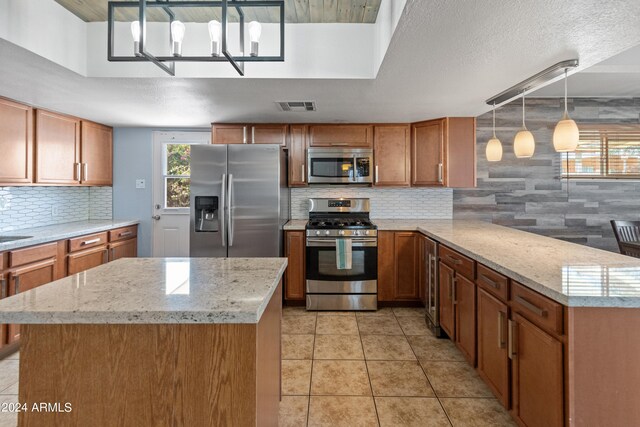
(32, 254)
(460, 263)
(539, 309)
(123, 233)
(86, 242)
(84, 260)
(493, 282)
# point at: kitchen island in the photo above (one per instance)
(153, 342)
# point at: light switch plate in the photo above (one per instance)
(140, 183)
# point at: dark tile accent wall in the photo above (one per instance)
(528, 194)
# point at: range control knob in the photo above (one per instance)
(341, 232)
(317, 233)
(366, 232)
(357, 232)
(327, 232)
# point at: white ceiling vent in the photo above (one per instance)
(297, 106)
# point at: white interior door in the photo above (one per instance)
(171, 174)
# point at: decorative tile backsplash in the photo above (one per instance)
(391, 203)
(26, 207)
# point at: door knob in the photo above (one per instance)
(156, 217)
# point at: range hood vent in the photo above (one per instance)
(297, 106)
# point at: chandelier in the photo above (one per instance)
(218, 32)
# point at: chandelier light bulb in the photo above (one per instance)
(215, 33)
(135, 35)
(255, 31)
(566, 135)
(177, 35)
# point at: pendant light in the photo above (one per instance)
(494, 146)
(566, 134)
(524, 145)
(177, 36)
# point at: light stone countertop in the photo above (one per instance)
(153, 291)
(295, 224)
(52, 233)
(571, 274)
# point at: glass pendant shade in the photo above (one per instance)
(494, 150)
(524, 145)
(566, 135)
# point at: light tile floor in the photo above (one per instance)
(381, 368)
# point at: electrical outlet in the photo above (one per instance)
(140, 183)
(55, 210)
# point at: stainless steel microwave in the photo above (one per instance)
(339, 166)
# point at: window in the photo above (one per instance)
(605, 153)
(177, 173)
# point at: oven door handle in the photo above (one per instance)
(332, 242)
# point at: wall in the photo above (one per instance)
(385, 203)
(26, 207)
(528, 194)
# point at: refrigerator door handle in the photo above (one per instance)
(230, 209)
(223, 194)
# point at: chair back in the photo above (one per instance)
(627, 231)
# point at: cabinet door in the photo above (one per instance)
(96, 153)
(81, 261)
(386, 266)
(460, 163)
(295, 273)
(493, 361)
(269, 134)
(428, 153)
(447, 312)
(26, 278)
(423, 268)
(340, 135)
(407, 262)
(537, 370)
(229, 134)
(298, 156)
(4, 292)
(392, 155)
(123, 249)
(465, 302)
(16, 143)
(57, 148)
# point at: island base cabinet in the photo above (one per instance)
(493, 361)
(537, 370)
(154, 374)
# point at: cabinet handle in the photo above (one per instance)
(85, 172)
(511, 351)
(253, 134)
(244, 134)
(501, 329)
(531, 307)
(89, 242)
(113, 254)
(125, 234)
(105, 256)
(440, 167)
(456, 261)
(377, 175)
(303, 176)
(454, 295)
(77, 176)
(17, 284)
(4, 291)
(339, 143)
(490, 282)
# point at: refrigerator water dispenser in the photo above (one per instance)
(206, 213)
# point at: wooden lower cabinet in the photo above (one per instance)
(84, 260)
(294, 275)
(447, 311)
(398, 266)
(4, 292)
(123, 249)
(537, 370)
(493, 360)
(465, 315)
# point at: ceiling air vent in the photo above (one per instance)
(297, 106)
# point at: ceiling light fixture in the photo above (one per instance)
(566, 135)
(494, 146)
(218, 32)
(524, 144)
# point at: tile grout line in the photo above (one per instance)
(313, 354)
(366, 367)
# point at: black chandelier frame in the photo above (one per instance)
(167, 63)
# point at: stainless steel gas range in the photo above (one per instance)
(342, 256)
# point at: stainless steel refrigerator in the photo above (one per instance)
(239, 200)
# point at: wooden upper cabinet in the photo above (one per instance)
(443, 152)
(392, 155)
(16, 143)
(229, 134)
(269, 134)
(428, 153)
(298, 155)
(96, 154)
(295, 273)
(340, 136)
(57, 148)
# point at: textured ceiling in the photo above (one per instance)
(296, 11)
(444, 59)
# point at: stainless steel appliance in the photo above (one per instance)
(239, 200)
(339, 166)
(430, 267)
(328, 286)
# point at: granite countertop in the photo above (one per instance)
(296, 224)
(52, 233)
(153, 291)
(571, 274)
